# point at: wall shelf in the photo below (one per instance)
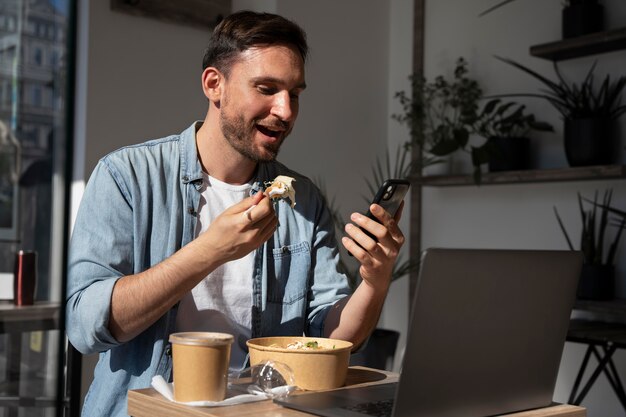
(616, 307)
(528, 176)
(594, 43)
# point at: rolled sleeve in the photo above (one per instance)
(88, 318)
(101, 252)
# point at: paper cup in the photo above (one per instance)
(200, 365)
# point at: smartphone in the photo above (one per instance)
(389, 196)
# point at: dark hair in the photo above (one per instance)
(245, 29)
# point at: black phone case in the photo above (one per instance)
(389, 198)
(390, 202)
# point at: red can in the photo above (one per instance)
(24, 277)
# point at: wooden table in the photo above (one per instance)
(43, 315)
(15, 320)
(149, 403)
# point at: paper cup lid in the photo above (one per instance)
(202, 338)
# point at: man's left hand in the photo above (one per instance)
(377, 257)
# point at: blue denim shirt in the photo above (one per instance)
(139, 207)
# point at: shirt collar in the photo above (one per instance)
(190, 163)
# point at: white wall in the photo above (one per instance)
(143, 79)
(518, 216)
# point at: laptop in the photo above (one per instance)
(485, 338)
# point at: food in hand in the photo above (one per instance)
(282, 187)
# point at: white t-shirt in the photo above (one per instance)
(221, 302)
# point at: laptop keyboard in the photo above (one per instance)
(380, 408)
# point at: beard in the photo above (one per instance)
(240, 136)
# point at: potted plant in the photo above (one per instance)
(598, 273)
(506, 125)
(579, 17)
(440, 114)
(589, 113)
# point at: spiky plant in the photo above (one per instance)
(594, 225)
(577, 100)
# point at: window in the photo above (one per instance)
(54, 58)
(37, 56)
(33, 156)
(36, 96)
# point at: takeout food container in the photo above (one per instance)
(200, 365)
(313, 369)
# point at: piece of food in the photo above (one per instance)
(282, 187)
(304, 346)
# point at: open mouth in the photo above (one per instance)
(270, 131)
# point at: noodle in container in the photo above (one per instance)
(317, 363)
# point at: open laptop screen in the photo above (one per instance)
(485, 337)
(487, 332)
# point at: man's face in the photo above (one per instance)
(259, 104)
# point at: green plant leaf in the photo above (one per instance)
(558, 218)
(503, 108)
(554, 87)
(542, 126)
(574, 100)
(489, 107)
(610, 258)
(496, 6)
(604, 218)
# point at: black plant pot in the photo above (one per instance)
(588, 141)
(509, 154)
(597, 282)
(380, 350)
(582, 19)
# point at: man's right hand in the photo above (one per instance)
(139, 300)
(240, 229)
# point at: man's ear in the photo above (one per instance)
(212, 84)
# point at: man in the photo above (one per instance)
(175, 234)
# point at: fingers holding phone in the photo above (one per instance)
(375, 231)
(389, 222)
(374, 239)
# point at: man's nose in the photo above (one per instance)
(284, 108)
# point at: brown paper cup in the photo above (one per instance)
(200, 365)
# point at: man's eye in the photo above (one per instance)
(266, 90)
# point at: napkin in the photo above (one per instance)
(166, 389)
